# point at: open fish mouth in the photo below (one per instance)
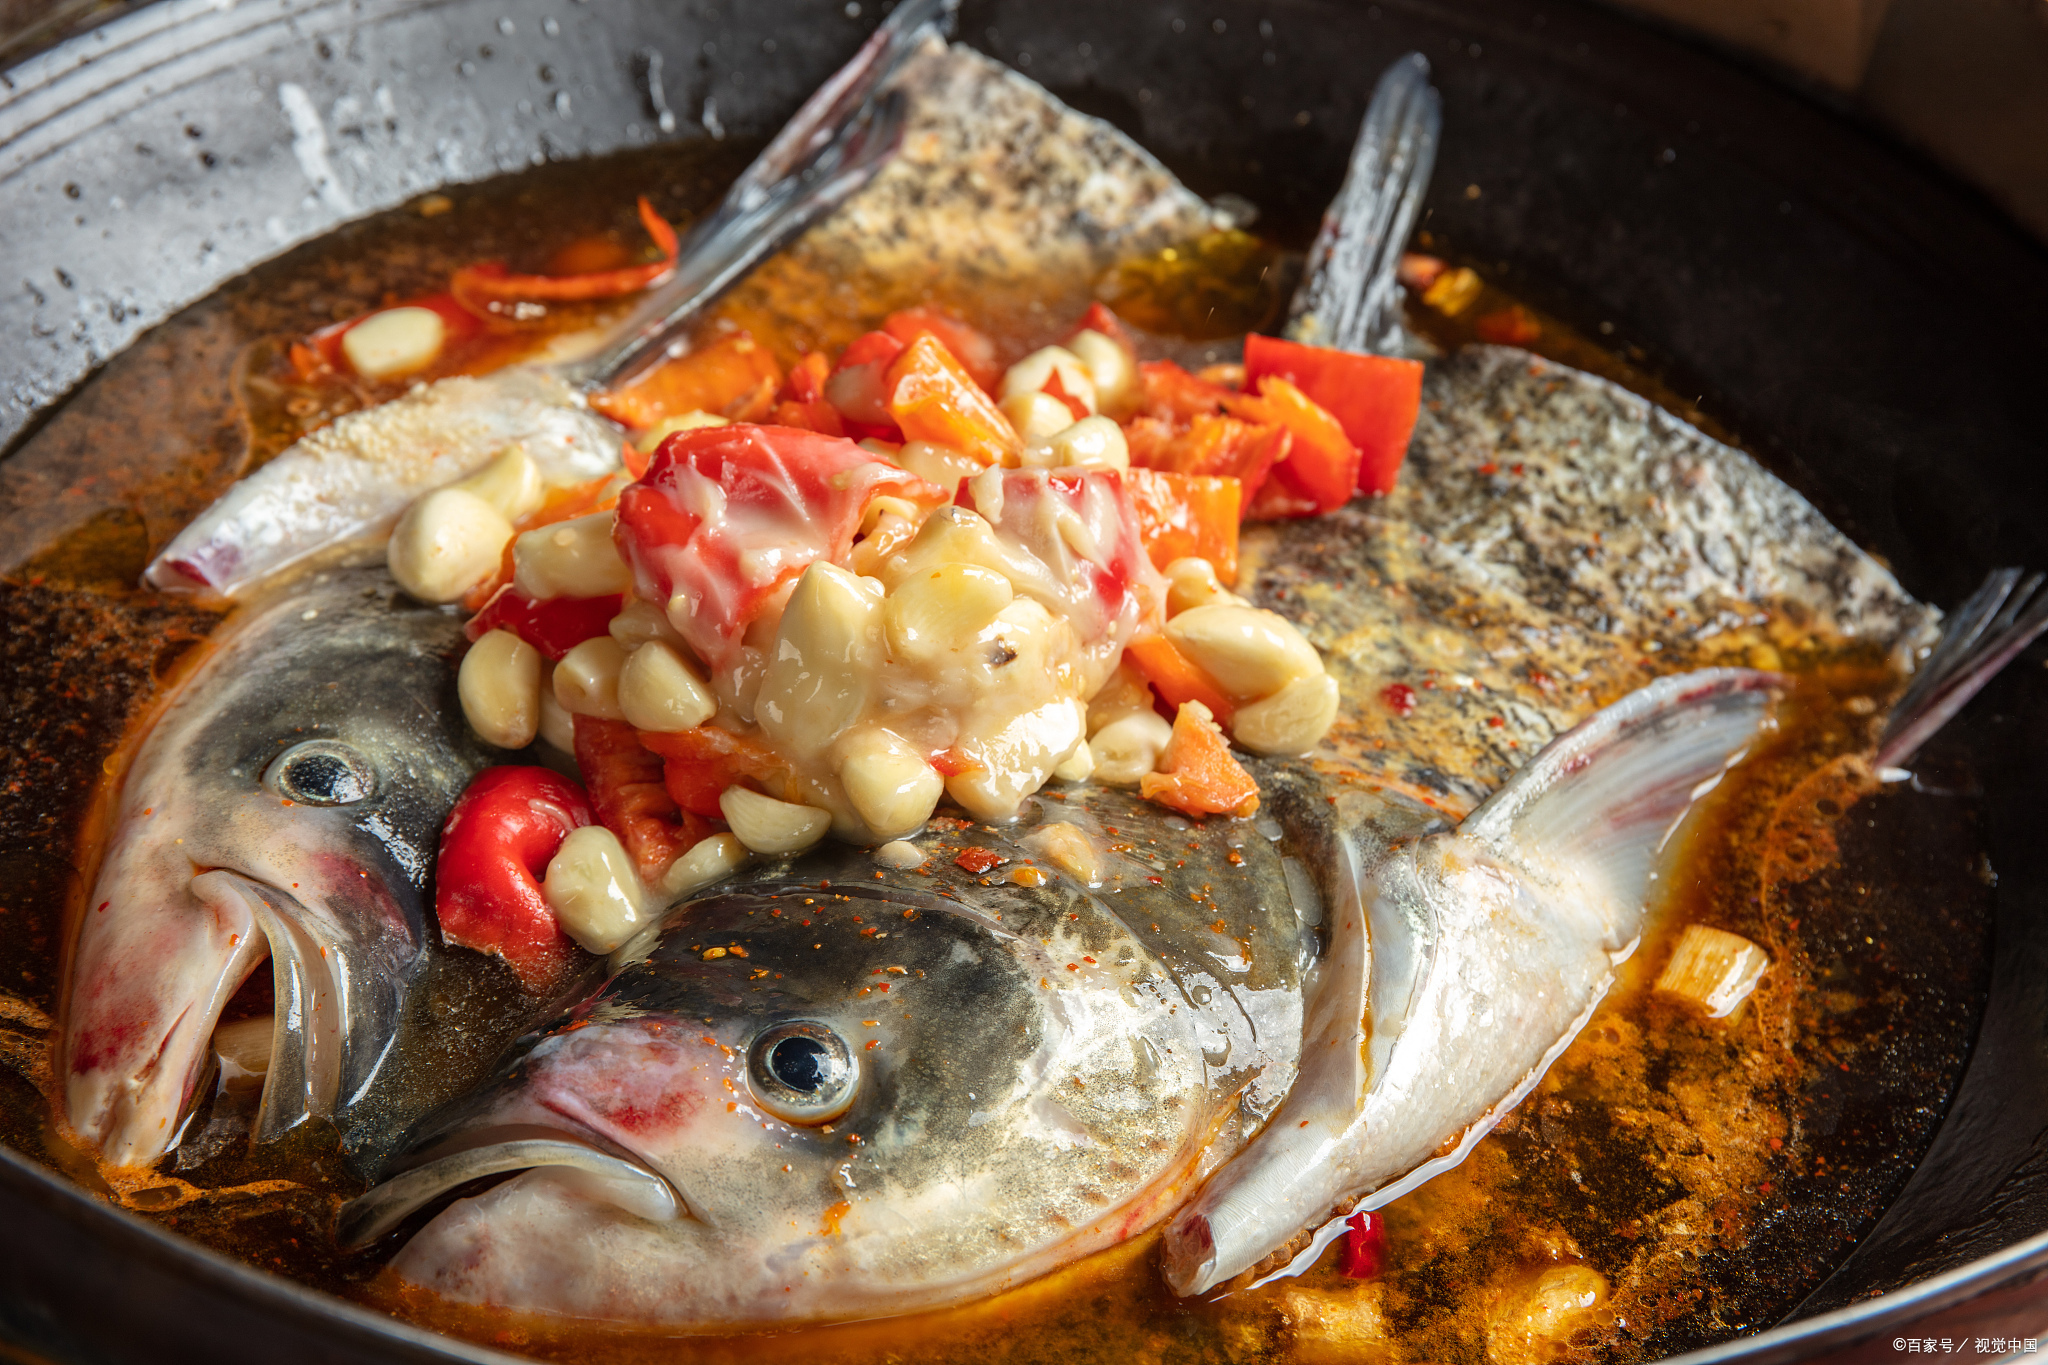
(338, 999)
(587, 1170)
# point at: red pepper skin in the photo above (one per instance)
(1375, 397)
(495, 849)
(489, 289)
(554, 625)
(1362, 1254)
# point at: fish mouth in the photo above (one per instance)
(584, 1167)
(132, 1086)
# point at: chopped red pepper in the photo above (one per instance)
(858, 387)
(1363, 1252)
(966, 343)
(1196, 774)
(1375, 397)
(554, 626)
(725, 516)
(933, 398)
(492, 290)
(1321, 470)
(1187, 514)
(1175, 677)
(979, 860)
(495, 848)
(627, 793)
(736, 378)
(1211, 446)
(700, 764)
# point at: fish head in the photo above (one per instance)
(284, 805)
(861, 1104)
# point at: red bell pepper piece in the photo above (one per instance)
(1175, 678)
(1376, 398)
(1187, 514)
(966, 343)
(858, 386)
(495, 849)
(806, 381)
(554, 626)
(1321, 470)
(491, 290)
(736, 378)
(1216, 447)
(627, 793)
(701, 763)
(1196, 774)
(1362, 1254)
(933, 398)
(725, 516)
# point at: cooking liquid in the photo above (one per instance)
(1710, 1171)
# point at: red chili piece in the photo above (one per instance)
(1363, 1252)
(979, 860)
(495, 850)
(1400, 698)
(553, 625)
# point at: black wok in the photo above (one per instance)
(1869, 328)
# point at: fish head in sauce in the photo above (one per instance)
(285, 805)
(865, 1101)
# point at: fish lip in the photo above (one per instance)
(627, 1180)
(1187, 1254)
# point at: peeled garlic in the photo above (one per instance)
(1192, 582)
(1291, 720)
(1092, 442)
(446, 543)
(937, 464)
(940, 610)
(1713, 969)
(707, 861)
(951, 535)
(1128, 747)
(640, 621)
(1035, 371)
(1109, 366)
(557, 726)
(892, 787)
(573, 558)
(594, 890)
(766, 825)
(499, 687)
(587, 679)
(1250, 653)
(1076, 766)
(822, 664)
(1036, 416)
(659, 691)
(394, 342)
(511, 483)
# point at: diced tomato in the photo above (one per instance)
(1321, 470)
(736, 378)
(627, 794)
(554, 625)
(495, 849)
(726, 515)
(1175, 677)
(491, 290)
(324, 346)
(1363, 1252)
(701, 763)
(1105, 591)
(1214, 446)
(1196, 774)
(1187, 514)
(933, 398)
(1376, 398)
(967, 344)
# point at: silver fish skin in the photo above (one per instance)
(285, 804)
(1462, 963)
(350, 480)
(1043, 1071)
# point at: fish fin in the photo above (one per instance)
(1605, 797)
(2005, 615)
(1413, 1046)
(1349, 297)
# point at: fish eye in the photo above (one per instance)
(322, 772)
(803, 1072)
